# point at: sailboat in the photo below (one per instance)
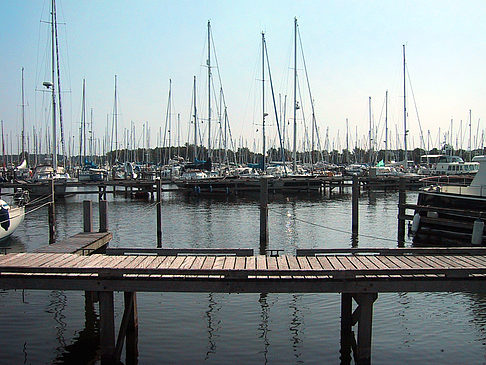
(44, 173)
(12, 216)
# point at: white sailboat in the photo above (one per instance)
(52, 172)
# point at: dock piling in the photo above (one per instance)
(159, 214)
(107, 328)
(355, 207)
(103, 216)
(87, 216)
(263, 214)
(52, 215)
(402, 199)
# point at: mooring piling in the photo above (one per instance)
(159, 214)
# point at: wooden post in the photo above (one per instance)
(103, 216)
(52, 215)
(365, 322)
(402, 198)
(346, 327)
(355, 206)
(263, 215)
(159, 214)
(132, 331)
(87, 216)
(107, 328)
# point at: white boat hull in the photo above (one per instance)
(16, 217)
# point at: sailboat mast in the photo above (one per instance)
(294, 163)
(195, 121)
(470, 146)
(369, 133)
(115, 115)
(263, 100)
(23, 116)
(84, 120)
(386, 125)
(209, 89)
(3, 149)
(405, 112)
(53, 88)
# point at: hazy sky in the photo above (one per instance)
(353, 50)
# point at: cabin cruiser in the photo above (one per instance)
(448, 165)
(457, 206)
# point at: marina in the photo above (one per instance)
(201, 183)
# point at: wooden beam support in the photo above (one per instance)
(365, 324)
(87, 216)
(346, 328)
(124, 325)
(107, 328)
(132, 330)
(103, 210)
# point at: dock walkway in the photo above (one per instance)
(83, 243)
(358, 275)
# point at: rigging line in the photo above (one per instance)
(336, 229)
(32, 202)
(314, 121)
(379, 125)
(275, 108)
(416, 109)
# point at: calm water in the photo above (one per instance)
(43, 327)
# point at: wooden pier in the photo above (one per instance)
(358, 274)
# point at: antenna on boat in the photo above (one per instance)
(404, 113)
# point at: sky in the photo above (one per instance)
(352, 50)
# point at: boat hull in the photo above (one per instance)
(451, 223)
(16, 217)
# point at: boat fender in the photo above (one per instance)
(432, 215)
(477, 233)
(416, 223)
(4, 219)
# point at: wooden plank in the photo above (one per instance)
(387, 262)
(240, 263)
(293, 263)
(24, 259)
(303, 263)
(261, 262)
(177, 262)
(187, 264)
(325, 263)
(229, 263)
(357, 263)
(336, 264)
(9, 257)
(208, 263)
(272, 263)
(400, 264)
(250, 263)
(314, 263)
(218, 263)
(469, 261)
(344, 260)
(282, 263)
(441, 263)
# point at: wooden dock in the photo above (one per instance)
(83, 243)
(359, 274)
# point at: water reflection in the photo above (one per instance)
(296, 327)
(263, 327)
(85, 346)
(212, 325)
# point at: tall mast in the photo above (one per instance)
(84, 121)
(470, 146)
(369, 133)
(209, 89)
(53, 88)
(263, 100)
(3, 149)
(404, 113)
(347, 141)
(195, 121)
(386, 125)
(294, 164)
(115, 115)
(23, 116)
